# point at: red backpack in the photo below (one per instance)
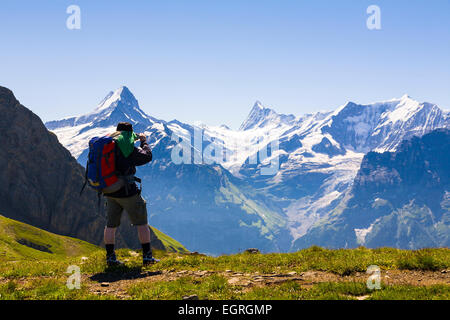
(101, 173)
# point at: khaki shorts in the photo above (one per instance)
(135, 206)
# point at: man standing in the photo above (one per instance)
(129, 197)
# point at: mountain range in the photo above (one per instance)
(398, 199)
(230, 204)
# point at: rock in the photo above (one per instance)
(252, 250)
(233, 280)
(308, 274)
(295, 279)
(104, 284)
(278, 275)
(278, 280)
(191, 297)
(292, 273)
(239, 282)
(196, 253)
(246, 283)
(228, 270)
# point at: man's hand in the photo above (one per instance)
(142, 137)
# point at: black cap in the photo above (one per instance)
(124, 126)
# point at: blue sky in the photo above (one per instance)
(210, 60)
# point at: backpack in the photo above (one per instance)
(101, 173)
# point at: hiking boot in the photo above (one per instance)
(147, 259)
(111, 261)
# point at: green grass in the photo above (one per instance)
(213, 287)
(216, 288)
(423, 260)
(19, 241)
(435, 292)
(342, 262)
(321, 291)
(45, 289)
(169, 243)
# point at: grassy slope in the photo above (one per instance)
(169, 243)
(20, 241)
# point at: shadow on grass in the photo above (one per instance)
(113, 274)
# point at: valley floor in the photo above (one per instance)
(313, 273)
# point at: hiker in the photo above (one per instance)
(128, 197)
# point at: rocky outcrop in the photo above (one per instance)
(40, 181)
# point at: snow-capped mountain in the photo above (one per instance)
(118, 105)
(260, 117)
(351, 128)
(382, 126)
(322, 152)
(319, 156)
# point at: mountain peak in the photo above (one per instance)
(256, 116)
(123, 89)
(261, 116)
(405, 97)
(257, 109)
(258, 105)
(122, 94)
(118, 106)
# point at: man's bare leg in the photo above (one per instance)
(144, 233)
(110, 235)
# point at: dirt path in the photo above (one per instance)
(117, 284)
